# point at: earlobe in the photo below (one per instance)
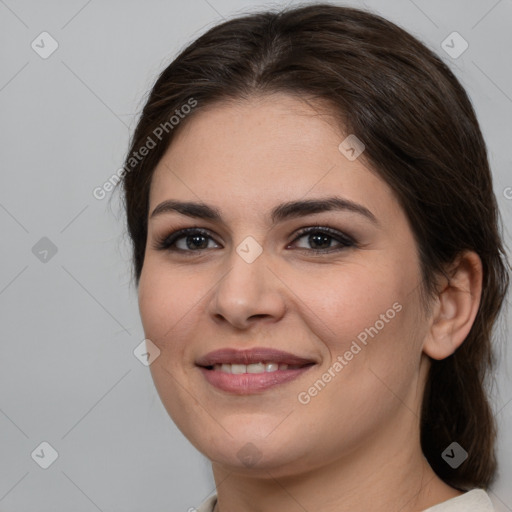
(456, 307)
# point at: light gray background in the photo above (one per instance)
(69, 325)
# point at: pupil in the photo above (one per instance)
(197, 241)
(319, 238)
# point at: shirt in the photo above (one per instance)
(476, 500)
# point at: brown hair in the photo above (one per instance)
(422, 137)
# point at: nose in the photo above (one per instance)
(249, 292)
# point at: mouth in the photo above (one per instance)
(254, 368)
(243, 372)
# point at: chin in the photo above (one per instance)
(244, 453)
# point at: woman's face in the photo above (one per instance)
(347, 301)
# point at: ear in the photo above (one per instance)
(456, 306)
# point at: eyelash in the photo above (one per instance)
(166, 242)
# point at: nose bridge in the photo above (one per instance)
(247, 289)
(245, 281)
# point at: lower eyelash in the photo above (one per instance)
(165, 242)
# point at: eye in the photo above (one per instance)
(194, 240)
(321, 237)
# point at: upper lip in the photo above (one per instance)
(250, 356)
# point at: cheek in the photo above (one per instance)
(166, 305)
(373, 337)
(349, 302)
(370, 319)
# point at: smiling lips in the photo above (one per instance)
(249, 371)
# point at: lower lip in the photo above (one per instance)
(248, 383)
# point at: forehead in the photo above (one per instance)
(263, 151)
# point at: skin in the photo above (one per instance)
(355, 445)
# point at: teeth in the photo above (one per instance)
(224, 367)
(238, 368)
(254, 367)
(271, 367)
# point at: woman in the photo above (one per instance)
(319, 265)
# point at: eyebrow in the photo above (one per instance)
(289, 210)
